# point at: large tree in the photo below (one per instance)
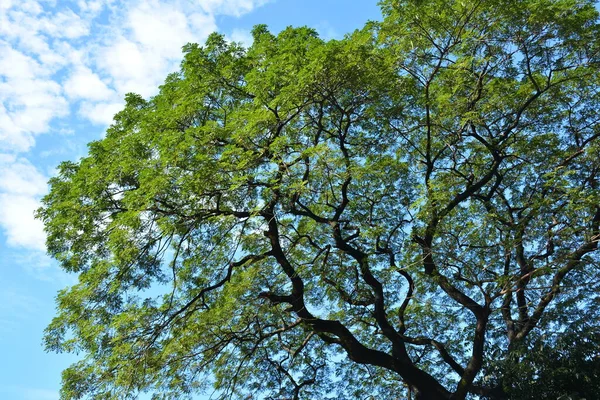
(410, 211)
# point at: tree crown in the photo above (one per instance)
(409, 207)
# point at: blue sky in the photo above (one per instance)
(65, 66)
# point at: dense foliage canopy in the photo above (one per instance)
(410, 211)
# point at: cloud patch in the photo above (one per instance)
(21, 186)
(29, 99)
(85, 84)
(54, 55)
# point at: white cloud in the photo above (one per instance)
(328, 32)
(159, 28)
(5, 4)
(21, 185)
(91, 8)
(85, 84)
(19, 177)
(100, 113)
(16, 217)
(242, 36)
(46, 67)
(132, 69)
(16, 65)
(66, 24)
(140, 54)
(30, 16)
(38, 265)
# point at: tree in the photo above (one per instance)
(412, 210)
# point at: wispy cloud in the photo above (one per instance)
(15, 307)
(327, 31)
(242, 36)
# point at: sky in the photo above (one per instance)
(65, 66)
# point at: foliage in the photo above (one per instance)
(564, 366)
(407, 210)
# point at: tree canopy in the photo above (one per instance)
(412, 210)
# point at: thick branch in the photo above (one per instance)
(574, 260)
